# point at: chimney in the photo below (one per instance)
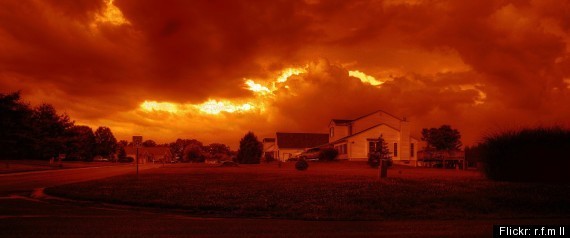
(404, 140)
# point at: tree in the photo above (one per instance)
(50, 129)
(15, 127)
(194, 152)
(123, 143)
(81, 143)
(149, 143)
(177, 148)
(250, 149)
(105, 142)
(218, 151)
(443, 138)
(379, 152)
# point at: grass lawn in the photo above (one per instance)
(326, 191)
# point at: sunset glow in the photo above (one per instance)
(111, 14)
(216, 107)
(364, 78)
(159, 106)
(286, 73)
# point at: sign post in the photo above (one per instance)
(137, 142)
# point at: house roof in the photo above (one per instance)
(268, 139)
(360, 132)
(346, 121)
(377, 111)
(301, 140)
(157, 150)
(341, 121)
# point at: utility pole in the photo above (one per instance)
(137, 142)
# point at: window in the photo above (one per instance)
(371, 146)
(342, 149)
(395, 149)
(331, 132)
(412, 150)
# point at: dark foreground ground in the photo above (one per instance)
(28, 218)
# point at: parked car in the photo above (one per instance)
(308, 155)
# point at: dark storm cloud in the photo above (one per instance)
(473, 64)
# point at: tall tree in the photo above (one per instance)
(149, 143)
(177, 148)
(379, 151)
(15, 127)
(81, 143)
(105, 142)
(250, 149)
(194, 152)
(218, 151)
(50, 129)
(442, 138)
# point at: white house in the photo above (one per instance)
(355, 138)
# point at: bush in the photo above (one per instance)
(301, 165)
(328, 154)
(528, 155)
(374, 160)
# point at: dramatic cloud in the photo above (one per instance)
(213, 70)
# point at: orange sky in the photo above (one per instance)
(212, 70)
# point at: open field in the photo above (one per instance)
(16, 166)
(327, 191)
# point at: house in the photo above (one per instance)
(285, 145)
(355, 138)
(157, 154)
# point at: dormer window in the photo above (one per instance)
(331, 132)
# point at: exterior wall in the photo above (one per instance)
(374, 119)
(269, 147)
(358, 144)
(339, 132)
(285, 154)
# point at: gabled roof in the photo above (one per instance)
(341, 121)
(301, 140)
(360, 132)
(377, 111)
(268, 139)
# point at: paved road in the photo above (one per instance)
(22, 216)
(27, 181)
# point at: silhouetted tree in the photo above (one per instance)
(194, 152)
(123, 143)
(81, 143)
(121, 153)
(379, 152)
(218, 151)
(15, 127)
(442, 138)
(177, 148)
(49, 128)
(250, 149)
(149, 143)
(105, 142)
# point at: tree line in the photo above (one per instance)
(40, 132)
